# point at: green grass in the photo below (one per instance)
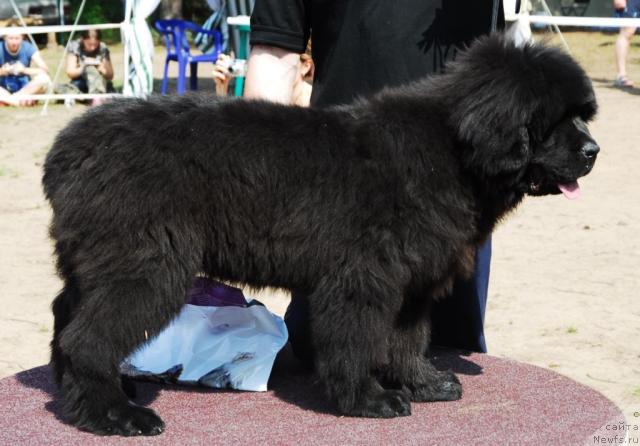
(595, 52)
(572, 330)
(636, 392)
(8, 172)
(4, 171)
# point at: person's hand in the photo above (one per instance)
(17, 68)
(102, 68)
(5, 69)
(221, 75)
(619, 4)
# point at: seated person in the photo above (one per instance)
(89, 64)
(22, 70)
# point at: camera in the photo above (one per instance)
(236, 67)
(13, 69)
(92, 60)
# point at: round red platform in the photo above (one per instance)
(504, 402)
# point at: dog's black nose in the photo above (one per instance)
(590, 149)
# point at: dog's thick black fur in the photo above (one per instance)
(372, 209)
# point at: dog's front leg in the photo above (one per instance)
(409, 368)
(422, 382)
(350, 324)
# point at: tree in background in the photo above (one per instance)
(197, 11)
(171, 9)
(100, 11)
(112, 11)
(194, 10)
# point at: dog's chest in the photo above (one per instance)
(462, 267)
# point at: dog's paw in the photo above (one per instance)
(130, 419)
(127, 420)
(385, 404)
(445, 387)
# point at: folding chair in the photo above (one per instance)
(178, 50)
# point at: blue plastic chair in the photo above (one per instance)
(178, 50)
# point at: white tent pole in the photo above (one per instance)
(124, 32)
(556, 27)
(125, 36)
(62, 59)
(45, 29)
(128, 11)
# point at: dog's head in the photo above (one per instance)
(521, 113)
(566, 153)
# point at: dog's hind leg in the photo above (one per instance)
(349, 330)
(63, 307)
(118, 313)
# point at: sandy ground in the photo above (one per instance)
(564, 283)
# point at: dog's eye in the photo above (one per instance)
(551, 129)
(586, 111)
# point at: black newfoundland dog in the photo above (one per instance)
(372, 209)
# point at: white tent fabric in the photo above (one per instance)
(138, 46)
(215, 5)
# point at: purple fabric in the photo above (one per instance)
(210, 293)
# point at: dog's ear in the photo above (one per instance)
(490, 103)
(514, 159)
(498, 149)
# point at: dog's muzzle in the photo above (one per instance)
(590, 150)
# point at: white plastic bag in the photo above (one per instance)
(231, 345)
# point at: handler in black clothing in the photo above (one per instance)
(360, 47)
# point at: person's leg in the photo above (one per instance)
(297, 319)
(37, 85)
(81, 84)
(96, 84)
(9, 86)
(7, 98)
(457, 321)
(622, 49)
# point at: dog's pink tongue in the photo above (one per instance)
(570, 190)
